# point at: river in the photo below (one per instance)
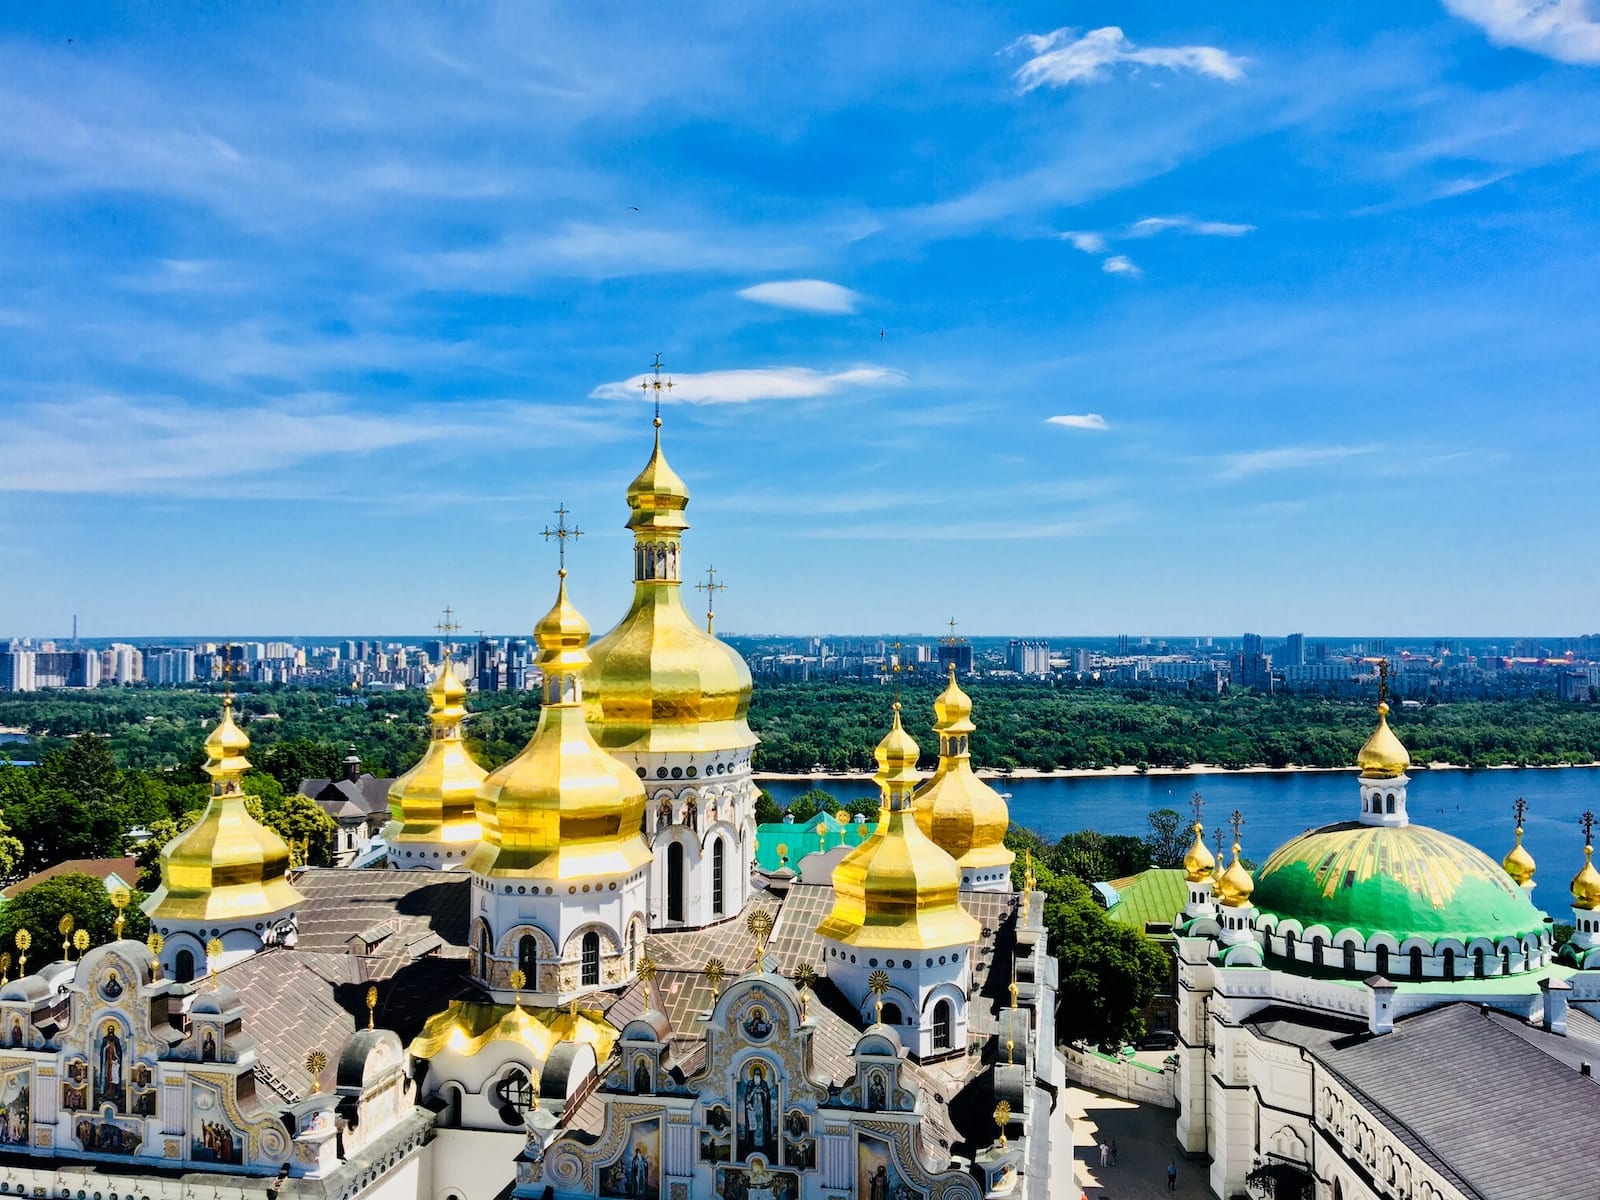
(1473, 805)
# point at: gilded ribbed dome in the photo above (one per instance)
(1383, 757)
(1519, 863)
(1233, 889)
(658, 682)
(898, 890)
(1199, 863)
(227, 866)
(963, 815)
(436, 801)
(1586, 884)
(563, 808)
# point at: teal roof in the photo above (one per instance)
(1404, 880)
(1150, 897)
(820, 833)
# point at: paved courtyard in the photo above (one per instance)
(1145, 1145)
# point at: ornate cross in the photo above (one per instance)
(1237, 821)
(372, 1003)
(1197, 802)
(878, 984)
(1587, 821)
(952, 639)
(654, 384)
(1521, 807)
(561, 533)
(710, 587)
(715, 973)
(229, 670)
(1383, 681)
(446, 627)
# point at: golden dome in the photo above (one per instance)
(1235, 886)
(1383, 757)
(1519, 863)
(563, 808)
(227, 866)
(436, 801)
(658, 682)
(963, 815)
(1586, 883)
(466, 1027)
(1199, 864)
(898, 890)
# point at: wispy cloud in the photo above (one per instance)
(1060, 58)
(1121, 264)
(1086, 240)
(804, 295)
(1079, 421)
(1099, 244)
(757, 383)
(1150, 226)
(1565, 30)
(1288, 458)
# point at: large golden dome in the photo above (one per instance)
(1586, 883)
(961, 813)
(563, 808)
(1383, 757)
(1234, 887)
(436, 801)
(1199, 864)
(898, 890)
(227, 866)
(658, 682)
(1519, 863)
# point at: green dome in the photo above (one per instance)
(1401, 880)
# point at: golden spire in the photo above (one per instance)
(1586, 883)
(1519, 863)
(1235, 886)
(711, 587)
(563, 808)
(657, 496)
(1198, 864)
(963, 815)
(898, 889)
(1383, 757)
(436, 801)
(120, 899)
(372, 1004)
(227, 865)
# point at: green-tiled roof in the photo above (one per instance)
(820, 833)
(1150, 897)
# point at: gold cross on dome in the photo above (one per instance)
(1383, 681)
(1521, 807)
(710, 587)
(952, 639)
(1587, 821)
(1237, 821)
(446, 627)
(654, 383)
(229, 670)
(1198, 803)
(562, 532)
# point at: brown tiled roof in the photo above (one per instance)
(388, 910)
(125, 869)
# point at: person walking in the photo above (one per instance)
(1105, 1153)
(1172, 1176)
(1113, 1152)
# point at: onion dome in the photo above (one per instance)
(898, 890)
(436, 801)
(1234, 886)
(1199, 863)
(227, 866)
(466, 1027)
(658, 682)
(563, 808)
(1519, 863)
(1383, 757)
(961, 813)
(1586, 883)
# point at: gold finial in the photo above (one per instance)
(1002, 1118)
(1027, 878)
(446, 627)
(878, 984)
(952, 639)
(759, 923)
(1011, 1046)
(804, 976)
(1198, 864)
(80, 941)
(656, 384)
(710, 587)
(64, 927)
(154, 943)
(715, 973)
(898, 668)
(229, 670)
(316, 1064)
(5, 967)
(561, 533)
(518, 979)
(213, 952)
(24, 939)
(1012, 986)
(1234, 887)
(1586, 883)
(120, 899)
(1519, 863)
(783, 854)
(372, 1003)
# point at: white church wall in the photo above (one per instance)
(1123, 1077)
(467, 1164)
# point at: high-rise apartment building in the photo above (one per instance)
(1294, 650)
(168, 665)
(17, 671)
(1028, 657)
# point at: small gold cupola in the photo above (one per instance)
(963, 815)
(1519, 863)
(436, 801)
(1199, 864)
(563, 808)
(1586, 883)
(1383, 757)
(898, 890)
(227, 866)
(1235, 885)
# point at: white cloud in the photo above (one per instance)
(1085, 240)
(1151, 226)
(1079, 421)
(1057, 62)
(759, 383)
(804, 295)
(1121, 264)
(1565, 30)
(1287, 458)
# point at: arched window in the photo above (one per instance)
(483, 952)
(1416, 962)
(1449, 964)
(591, 959)
(1389, 807)
(183, 967)
(1316, 950)
(1382, 955)
(892, 1014)
(1477, 963)
(528, 959)
(1505, 960)
(716, 877)
(675, 882)
(1288, 944)
(941, 1025)
(1350, 957)
(518, 1090)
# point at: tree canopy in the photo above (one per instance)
(40, 909)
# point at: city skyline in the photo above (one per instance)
(1281, 319)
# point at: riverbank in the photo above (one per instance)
(1150, 772)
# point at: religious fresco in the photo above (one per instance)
(144, 1091)
(757, 1113)
(799, 1149)
(110, 1062)
(757, 1182)
(107, 1136)
(877, 1176)
(759, 1026)
(15, 1036)
(637, 1174)
(75, 1090)
(716, 1137)
(877, 1091)
(211, 1138)
(14, 1114)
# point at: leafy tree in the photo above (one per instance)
(767, 810)
(40, 909)
(54, 824)
(1166, 843)
(809, 803)
(301, 823)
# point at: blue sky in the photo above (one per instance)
(1055, 318)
